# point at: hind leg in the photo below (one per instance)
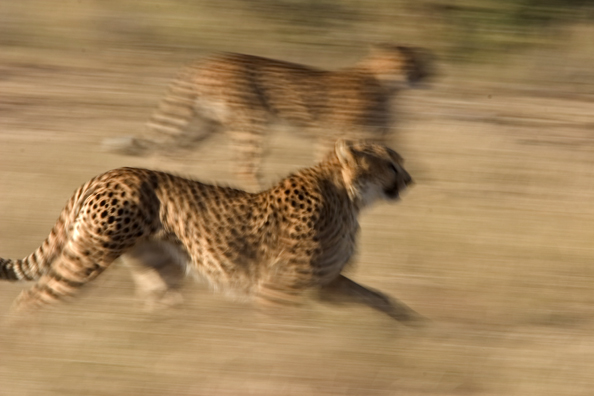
(169, 123)
(158, 269)
(75, 267)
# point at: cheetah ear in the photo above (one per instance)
(344, 151)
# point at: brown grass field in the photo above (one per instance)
(493, 244)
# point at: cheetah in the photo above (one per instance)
(245, 95)
(269, 246)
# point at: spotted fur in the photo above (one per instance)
(270, 246)
(244, 95)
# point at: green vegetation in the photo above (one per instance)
(463, 30)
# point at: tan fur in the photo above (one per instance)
(245, 95)
(269, 246)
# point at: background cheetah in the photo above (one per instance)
(271, 246)
(245, 94)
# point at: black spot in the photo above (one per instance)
(123, 194)
(287, 192)
(120, 212)
(114, 201)
(301, 197)
(104, 214)
(127, 220)
(102, 203)
(111, 219)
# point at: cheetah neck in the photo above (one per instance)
(332, 173)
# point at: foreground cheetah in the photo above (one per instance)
(245, 94)
(270, 246)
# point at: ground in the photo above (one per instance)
(493, 245)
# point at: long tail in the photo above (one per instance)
(37, 263)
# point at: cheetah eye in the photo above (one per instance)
(393, 168)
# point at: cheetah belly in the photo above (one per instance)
(234, 275)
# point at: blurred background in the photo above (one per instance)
(493, 244)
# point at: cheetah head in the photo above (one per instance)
(398, 66)
(371, 171)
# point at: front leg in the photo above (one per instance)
(248, 138)
(345, 289)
